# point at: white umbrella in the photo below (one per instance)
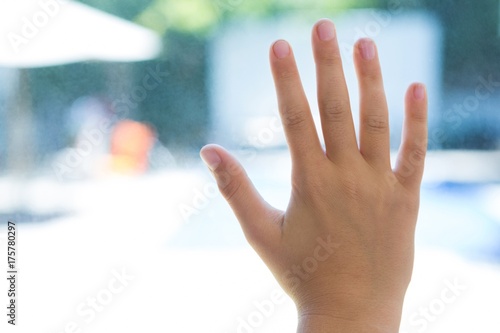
(51, 32)
(54, 32)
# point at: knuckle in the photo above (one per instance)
(371, 76)
(406, 168)
(376, 124)
(417, 156)
(228, 178)
(334, 110)
(288, 75)
(419, 117)
(329, 59)
(229, 187)
(294, 115)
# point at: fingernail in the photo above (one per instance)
(367, 49)
(419, 92)
(281, 49)
(211, 158)
(326, 30)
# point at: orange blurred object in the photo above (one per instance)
(131, 142)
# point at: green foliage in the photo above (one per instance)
(194, 16)
(200, 16)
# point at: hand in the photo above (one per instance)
(343, 249)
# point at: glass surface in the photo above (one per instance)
(104, 106)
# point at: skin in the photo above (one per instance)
(344, 247)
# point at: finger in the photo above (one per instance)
(258, 219)
(294, 109)
(333, 97)
(374, 141)
(410, 163)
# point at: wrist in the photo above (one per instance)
(356, 317)
(326, 324)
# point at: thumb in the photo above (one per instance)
(259, 220)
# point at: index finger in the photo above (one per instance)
(294, 109)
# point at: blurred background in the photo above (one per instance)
(105, 104)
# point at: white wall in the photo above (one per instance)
(243, 99)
